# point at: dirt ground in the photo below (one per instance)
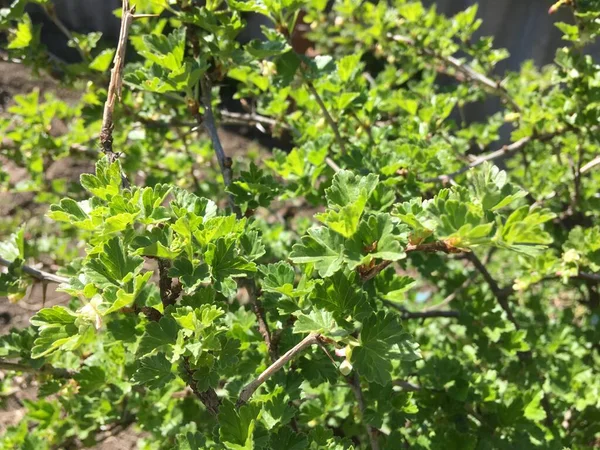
(16, 79)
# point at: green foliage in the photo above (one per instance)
(421, 289)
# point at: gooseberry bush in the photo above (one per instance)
(381, 274)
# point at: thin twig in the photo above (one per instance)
(354, 382)
(251, 387)
(209, 398)
(17, 367)
(463, 68)
(208, 120)
(263, 325)
(407, 315)
(407, 386)
(506, 150)
(50, 11)
(37, 274)
(590, 165)
(332, 124)
(501, 294)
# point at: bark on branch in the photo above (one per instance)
(246, 393)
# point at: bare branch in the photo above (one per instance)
(461, 68)
(114, 87)
(590, 165)
(37, 274)
(208, 120)
(407, 386)
(506, 150)
(372, 432)
(50, 11)
(332, 124)
(251, 387)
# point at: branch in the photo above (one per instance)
(211, 128)
(40, 275)
(114, 87)
(332, 124)
(17, 367)
(463, 68)
(263, 326)
(590, 165)
(251, 387)
(501, 295)
(50, 11)
(372, 432)
(209, 398)
(169, 291)
(506, 150)
(406, 385)
(428, 247)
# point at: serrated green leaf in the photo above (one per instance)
(381, 342)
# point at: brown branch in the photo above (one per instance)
(251, 387)
(169, 290)
(263, 326)
(428, 247)
(37, 274)
(114, 87)
(372, 432)
(209, 398)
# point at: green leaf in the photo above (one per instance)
(114, 266)
(224, 260)
(191, 276)
(493, 189)
(287, 439)
(158, 335)
(56, 329)
(102, 62)
(237, 425)
(533, 410)
(377, 238)
(90, 379)
(279, 279)
(107, 181)
(346, 199)
(392, 286)
(317, 321)
(341, 295)
(23, 35)
(14, 247)
(382, 342)
(321, 247)
(154, 372)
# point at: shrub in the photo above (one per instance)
(391, 280)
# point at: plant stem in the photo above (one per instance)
(37, 274)
(251, 387)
